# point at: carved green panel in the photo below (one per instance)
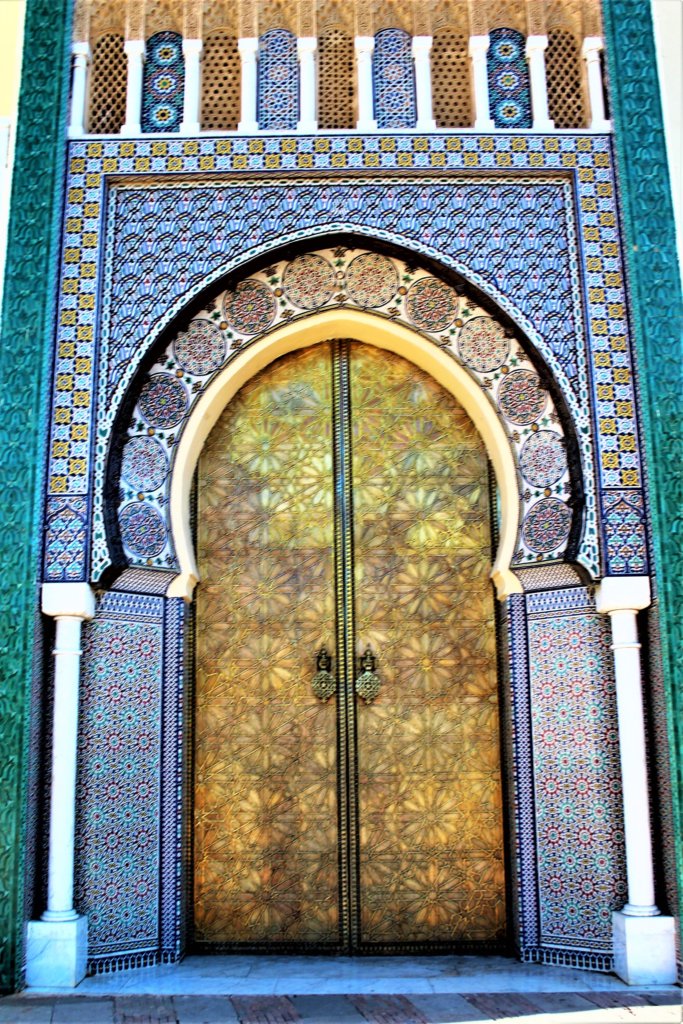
(649, 243)
(24, 361)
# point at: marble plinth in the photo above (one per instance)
(644, 949)
(56, 953)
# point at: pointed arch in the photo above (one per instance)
(361, 326)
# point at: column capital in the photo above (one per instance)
(421, 46)
(73, 600)
(479, 45)
(192, 46)
(592, 46)
(536, 43)
(364, 45)
(306, 44)
(81, 50)
(623, 593)
(248, 45)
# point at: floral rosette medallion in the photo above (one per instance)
(163, 401)
(251, 308)
(201, 348)
(483, 344)
(431, 304)
(144, 464)
(371, 280)
(308, 281)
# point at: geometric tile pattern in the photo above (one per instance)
(625, 532)
(334, 279)
(164, 81)
(508, 77)
(577, 773)
(514, 239)
(278, 81)
(66, 537)
(119, 771)
(165, 267)
(393, 79)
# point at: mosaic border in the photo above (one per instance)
(585, 158)
(565, 769)
(656, 308)
(28, 326)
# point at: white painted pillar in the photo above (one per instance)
(592, 45)
(79, 89)
(306, 47)
(422, 46)
(365, 46)
(535, 55)
(192, 51)
(56, 948)
(643, 940)
(248, 48)
(479, 46)
(135, 52)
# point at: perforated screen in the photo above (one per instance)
(220, 82)
(565, 80)
(336, 80)
(107, 85)
(451, 80)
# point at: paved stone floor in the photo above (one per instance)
(287, 990)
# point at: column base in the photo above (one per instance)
(601, 126)
(307, 127)
(543, 126)
(428, 125)
(56, 953)
(248, 127)
(131, 131)
(484, 124)
(644, 949)
(189, 128)
(366, 126)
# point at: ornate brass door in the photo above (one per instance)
(344, 503)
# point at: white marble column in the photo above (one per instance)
(248, 48)
(535, 55)
(192, 52)
(56, 946)
(644, 950)
(306, 47)
(422, 46)
(592, 45)
(79, 89)
(365, 46)
(479, 46)
(135, 52)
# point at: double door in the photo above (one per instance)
(347, 782)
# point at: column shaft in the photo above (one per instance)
(306, 49)
(535, 55)
(637, 828)
(135, 51)
(482, 115)
(365, 46)
(422, 46)
(79, 89)
(592, 46)
(192, 50)
(248, 49)
(67, 653)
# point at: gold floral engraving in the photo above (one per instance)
(343, 470)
